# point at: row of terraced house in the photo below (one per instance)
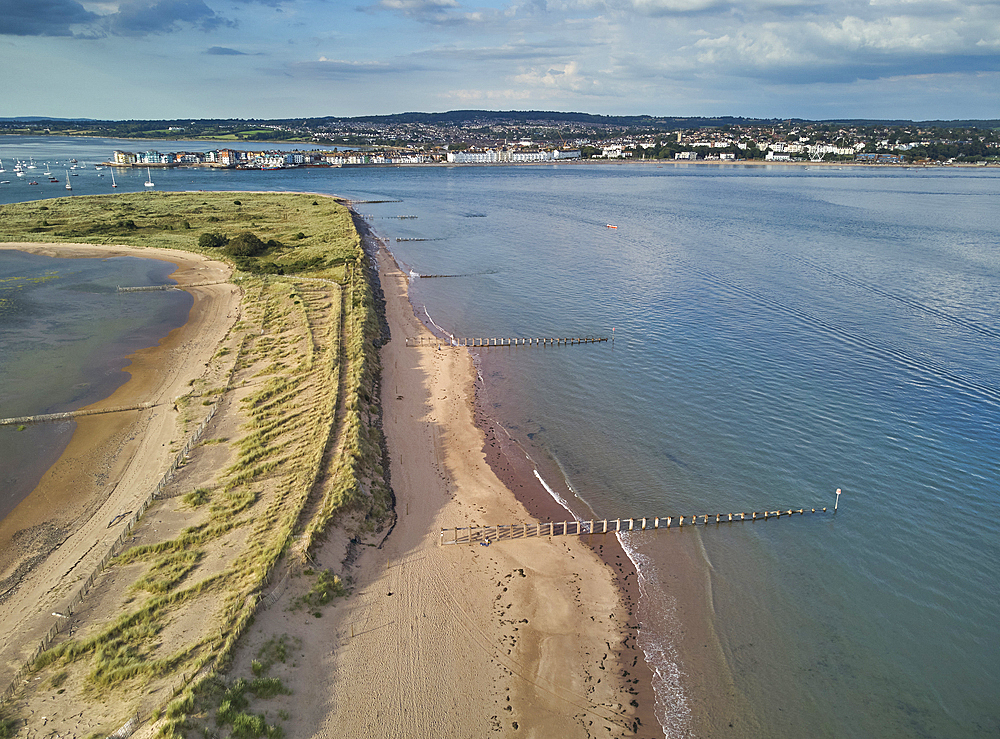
(263, 159)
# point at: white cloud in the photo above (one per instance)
(483, 97)
(668, 7)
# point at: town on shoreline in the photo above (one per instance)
(707, 145)
(490, 137)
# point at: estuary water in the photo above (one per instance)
(65, 335)
(780, 332)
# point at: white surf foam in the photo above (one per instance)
(658, 621)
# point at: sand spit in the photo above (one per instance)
(516, 639)
(522, 638)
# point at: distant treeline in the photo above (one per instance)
(350, 128)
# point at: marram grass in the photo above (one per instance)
(305, 454)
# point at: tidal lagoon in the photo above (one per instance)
(65, 335)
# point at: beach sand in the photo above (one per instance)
(55, 536)
(531, 637)
(522, 638)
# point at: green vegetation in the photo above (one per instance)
(8, 726)
(273, 651)
(196, 497)
(207, 223)
(232, 708)
(304, 357)
(212, 240)
(327, 587)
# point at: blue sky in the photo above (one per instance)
(121, 59)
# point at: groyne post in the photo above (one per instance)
(499, 532)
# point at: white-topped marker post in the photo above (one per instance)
(837, 501)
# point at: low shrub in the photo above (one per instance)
(212, 240)
(246, 244)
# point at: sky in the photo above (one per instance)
(814, 59)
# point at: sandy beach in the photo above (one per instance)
(533, 637)
(57, 534)
(521, 638)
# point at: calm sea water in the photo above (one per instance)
(780, 332)
(65, 333)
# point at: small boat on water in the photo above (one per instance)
(33, 182)
(68, 185)
(611, 226)
(149, 178)
(113, 183)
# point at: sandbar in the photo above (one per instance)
(532, 637)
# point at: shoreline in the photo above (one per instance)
(450, 640)
(700, 696)
(516, 470)
(507, 463)
(688, 682)
(56, 535)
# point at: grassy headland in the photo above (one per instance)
(307, 234)
(295, 446)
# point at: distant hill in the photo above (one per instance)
(37, 118)
(523, 117)
(536, 117)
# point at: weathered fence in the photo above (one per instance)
(502, 341)
(483, 534)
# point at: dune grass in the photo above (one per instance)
(177, 220)
(308, 449)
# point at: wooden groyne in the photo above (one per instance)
(151, 288)
(502, 341)
(69, 415)
(499, 532)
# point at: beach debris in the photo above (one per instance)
(117, 519)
